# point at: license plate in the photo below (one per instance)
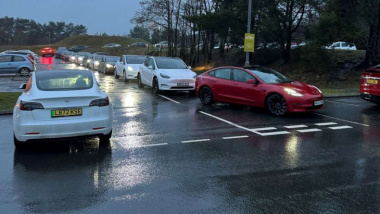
(318, 103)
(66, 112)
(372, 81)
(182, 84)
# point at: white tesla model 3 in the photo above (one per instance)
(61, 104)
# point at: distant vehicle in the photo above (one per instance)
(128, 66)
(47, 52)
(95, 61)
(16, 63)
(78, 48)
(72, 56)
(107, 64)
(79, 57)
(257, 86)
(61, 104)
(163, 44)
(66, 55)
(341, 46)
(166, 74)
(139, 44)
(86, 60)
(112, 45)
(58, 53)
(370, 85)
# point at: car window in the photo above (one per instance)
(224, 73)
(269, 76)
(121, 59)
(146, 63)
(344, 44)
(336, 45)
(5, 58)
(18, 59)
(241, 76)
(111, 59)
(64, 81)
(212, 73)
(151, 63)
(170, 63)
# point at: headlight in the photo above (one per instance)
(130, 68)
(96, 62)
(293, 92)
(164, 76)
(73, 57)
(109, 66)
(80, 58)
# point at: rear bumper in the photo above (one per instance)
(370, 97)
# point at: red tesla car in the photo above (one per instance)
(370, 85)
(257, 86)
(47, 51)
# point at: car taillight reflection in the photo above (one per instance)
(47, 61)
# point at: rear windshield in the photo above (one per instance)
(135, 59)
(64, 80)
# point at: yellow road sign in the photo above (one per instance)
(249, 42)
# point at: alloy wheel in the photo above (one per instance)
(277, 105)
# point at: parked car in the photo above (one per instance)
(72, 56)
(128, 66)
(341, 46)
(78, 48)
(95, 61)
(166, 74)
(79, 57)
(66, 55)
(47, 52)
(29, 55)
(16, 63)
(86, 60)
(370, 85)
(61, 104)
(111, 45)
(58, 53)
(257, 86)
(107, 64)
(163, 44)
(139, 44)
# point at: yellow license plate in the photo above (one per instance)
(371, 81)
(66, 112)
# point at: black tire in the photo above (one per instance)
(116, 75)
(155, 87)
(139, 83)
(105, 138)
(277, 105)
(206, 96)
(24, 72)
(18, 144)
(125, 77)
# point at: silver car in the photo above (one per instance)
(16, 63)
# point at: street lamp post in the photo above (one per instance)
(248, 29)
(49, 37)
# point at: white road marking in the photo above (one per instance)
(226, 121)
(345, 103)
(169, 99)
(325, 124)
(235, 137)
(342, 120)
(274, 133)
(194, 141)
(340, 127)
(309, 130)
(264, 129)
(151, 145)
(296, 126)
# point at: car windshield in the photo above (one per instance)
(83, 53)
(98, 57)
(112, 59)
(135, 59)
(64, 81)
(170, 63)
(269, 76)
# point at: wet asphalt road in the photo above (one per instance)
(182, 157)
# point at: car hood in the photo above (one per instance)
(177, 73)
(301, 87)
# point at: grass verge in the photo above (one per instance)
(8, 100)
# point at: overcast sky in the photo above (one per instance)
(99, 16)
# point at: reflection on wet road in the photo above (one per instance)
(183, 157)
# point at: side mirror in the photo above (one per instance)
(23, 86)
(253, 82)
(150, 67)
(188, 67)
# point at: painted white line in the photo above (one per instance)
(309, 130)
(345, 103)
(274, 133)
(169, 99)
(151, 145)
(194, 141)
(296, 126)
(340, 127)
(264, 129)
(226, 121)
(326, 124)
(342, 120)
(235, 137)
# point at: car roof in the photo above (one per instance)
(55, 72)
(11, 54)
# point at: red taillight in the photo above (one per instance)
(100, 102)
(43, 51)
(50, 50)
(29, 106)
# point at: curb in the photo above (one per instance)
(6, 112)
(341, 95)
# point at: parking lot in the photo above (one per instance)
(170, 153)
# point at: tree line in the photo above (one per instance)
(199, 25)
(19, 31)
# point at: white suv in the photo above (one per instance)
(128, 66)
(341, 46)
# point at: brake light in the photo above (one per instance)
(100, 102)
(43, 51)
(50, 50)
(29, 106)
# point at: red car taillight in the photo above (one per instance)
(50, 50)
(100, 102)
(29, 106)
(43, 51)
